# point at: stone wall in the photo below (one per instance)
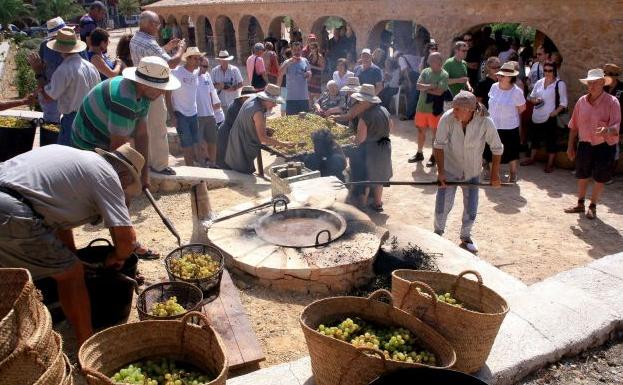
(588, 33)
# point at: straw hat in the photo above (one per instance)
(192, 51)
(508, 69)
(154, 72)
(271, 93)
(130, 158)
(352, 84)
(247, 91)
(224, 55)
(366, 93)
(613, 71)
(596, 74)
(66, 42)
(54, 25)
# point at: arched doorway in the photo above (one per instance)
(187, 27)
(205, 35)
(226, 35)
(325, 28)
(399, 35)
(249, 33)
(284, 28)
(176, 31)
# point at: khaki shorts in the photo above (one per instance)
(207, 129)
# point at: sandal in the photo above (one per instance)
(592, 211)
(148, 255)
(579, 208)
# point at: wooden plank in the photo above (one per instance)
(227, 316)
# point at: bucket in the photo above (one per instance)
(426, 376)
(16, 141)
(110, 291)
(48, 133)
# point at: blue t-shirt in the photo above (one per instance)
(296, 83)
(371, 75)
(87, 25)
(107, 60)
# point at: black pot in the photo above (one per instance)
(110, 291)
(427, 376)
(47, 136)
(16, 141)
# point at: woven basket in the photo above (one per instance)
(471, 330)
(205, 284)
(336, 362)
(188, 296)
(106, 352)
(56, 373)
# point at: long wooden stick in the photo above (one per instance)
(417, 183)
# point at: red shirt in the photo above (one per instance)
(604, 112)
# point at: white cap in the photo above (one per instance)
(366, 50)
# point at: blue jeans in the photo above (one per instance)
(67, 121)
(445, 201)
(293, 107)
(187, 128)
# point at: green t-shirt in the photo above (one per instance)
(439, 80)
(456, 69)
(110, 108)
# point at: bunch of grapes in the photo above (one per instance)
(159, 372)
(194, 266)
(168, 308)
(397, 344)
(446, 298)
(12, 122)
(298, 130)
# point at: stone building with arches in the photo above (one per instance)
(588, 33)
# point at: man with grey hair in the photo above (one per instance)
(460, 140)
(144, 44)
(88, 23)
(256, 69)
(456, 67)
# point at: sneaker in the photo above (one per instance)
(431, 161)
(469, 245)
(418, 157)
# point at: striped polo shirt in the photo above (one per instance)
(111, 108)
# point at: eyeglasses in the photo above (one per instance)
(548, 70)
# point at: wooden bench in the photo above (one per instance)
(227, 316)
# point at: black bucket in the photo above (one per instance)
(48, 136)
(426, 376)
(110, 291)
(16, 141)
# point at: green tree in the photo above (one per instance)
(128, 8)
(67, 9)
(13, 10)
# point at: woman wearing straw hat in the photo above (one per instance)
(71, 81)
(249, 131)
(373, 134)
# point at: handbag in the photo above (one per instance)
(562, 119)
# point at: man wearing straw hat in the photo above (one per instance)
(596, 121)
(249, 131)
(459, 141)
(47, 192)
(71, 81)
(227, 79)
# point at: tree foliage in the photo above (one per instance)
(128, 7)
(13, 10)
(67, 9)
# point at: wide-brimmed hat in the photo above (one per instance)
(352, 84)
(366, 93)
(54, 25)
(508, 69)
(66, 42)
(271, 93)
(247, 91)
(224, 55)
(596, 74)
(130, 158)
(613, 71)
(154, 72)
(192, 51)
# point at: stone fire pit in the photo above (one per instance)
(337, 267)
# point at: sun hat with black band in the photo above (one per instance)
(54, 25)
(507, 69)
(366, 93)
(154, 72)
(271, 93)
(246, 92)
(130, 158)
(224, 55)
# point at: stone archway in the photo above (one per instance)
(226, 35)
(187, 26)
(249, 32)
(324, 28)
(282, 28)
(399, 35)
(205, 36)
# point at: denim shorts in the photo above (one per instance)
(188, 129)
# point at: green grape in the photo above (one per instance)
(159, 372)
(168, 308)
(194, 266)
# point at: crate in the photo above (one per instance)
(281, 176)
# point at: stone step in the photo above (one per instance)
(187, 176)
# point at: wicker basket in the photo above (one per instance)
(205, 284)
(111, 349)
(336, 362)
(188, 296)
(56, 373)
(471, 330)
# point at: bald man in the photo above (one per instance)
(144, 43)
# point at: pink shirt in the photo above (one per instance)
(259, 66)
(586, 117)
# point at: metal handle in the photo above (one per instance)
(320, 233)
(98, 240)
(276, 203)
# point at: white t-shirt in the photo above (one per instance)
(548, 95)
(184, 99)
(341, 80)
(204, 92)
(503, 106)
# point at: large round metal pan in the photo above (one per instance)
(301, 227)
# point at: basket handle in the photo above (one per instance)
(381, 293)
(94, 373)
(429, 290)
(363, 351)
(461, 275)
(188, 317)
